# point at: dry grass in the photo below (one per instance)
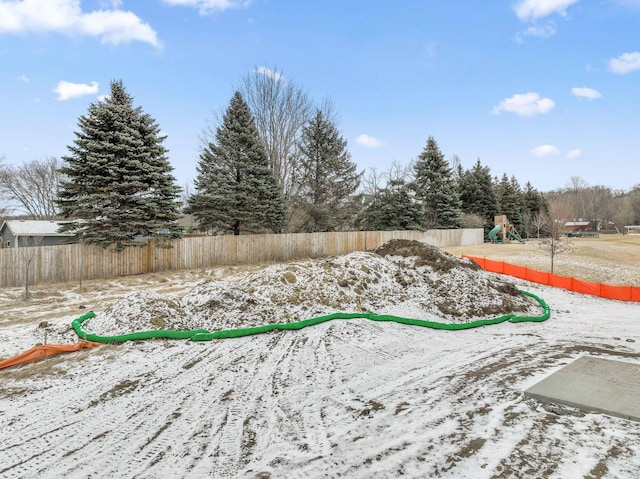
(52, 301)
(611, 259)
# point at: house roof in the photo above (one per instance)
(577, 223)
(34, 228)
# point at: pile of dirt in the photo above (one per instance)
(459, 288)
(143, 310)
(404, 278)
(424, 255)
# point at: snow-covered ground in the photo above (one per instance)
(342, 399)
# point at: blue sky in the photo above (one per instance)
(540, 89)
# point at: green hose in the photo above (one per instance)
(204, 335)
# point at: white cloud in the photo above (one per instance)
(584, 92)
(543, 31)
(110, 3)
(66, 17)
(368, 141)
(625, 63)
(574, 154)
(67, 90)
(525, 104)
(545, 150)
(270, 73)
(24, 78)
(531, 10)
(206, 7)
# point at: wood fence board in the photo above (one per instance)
(69, 263)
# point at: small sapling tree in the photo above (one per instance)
(554, 245)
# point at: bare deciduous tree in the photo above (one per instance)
(469, 220)
(554, 244)
(4, 208)
(398, 172)
(280, 109)
(33, 187)
(28, 247)
(600, 208)
(372, 182)
(575, 188)
(627, 208)
(186, 192)
(539, 221)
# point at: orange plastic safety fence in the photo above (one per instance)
(621, 293)
(44, 351)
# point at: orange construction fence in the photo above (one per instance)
(44, 351)
(622, 293)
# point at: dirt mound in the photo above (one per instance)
(139, 311)
(403, 278)
(224, 305)
(425, 255)
(460, 289)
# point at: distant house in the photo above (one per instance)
(578, 226)
(20, 233)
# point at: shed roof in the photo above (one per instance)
(34, 228)
(577, 223)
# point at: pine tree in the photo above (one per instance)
(436, 188)
(392, 208)
(510, 201)
(533, 205)
(236, 190)
(518, 220)
(478, 195)
(328, 176)
(119, 184)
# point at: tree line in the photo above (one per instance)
(273, 162)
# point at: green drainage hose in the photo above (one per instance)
(204, 335)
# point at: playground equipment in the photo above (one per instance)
(504, 232)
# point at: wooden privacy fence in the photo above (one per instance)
(68, 263)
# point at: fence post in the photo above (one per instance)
(87, 262)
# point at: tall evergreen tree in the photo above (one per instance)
(509, 198)
(119, 184)
(518, 219)
(328, 176)
(478, 195)
(436, 188)
(391, 208)
(533, 205)
(236, 190)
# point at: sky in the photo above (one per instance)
(543, 90)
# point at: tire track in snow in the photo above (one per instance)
(312, 403)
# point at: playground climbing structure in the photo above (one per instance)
(503, 231)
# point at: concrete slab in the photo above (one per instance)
(594, 385)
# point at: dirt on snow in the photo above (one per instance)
(357, 399)
(403, 277)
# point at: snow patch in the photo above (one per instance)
(402, 277)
